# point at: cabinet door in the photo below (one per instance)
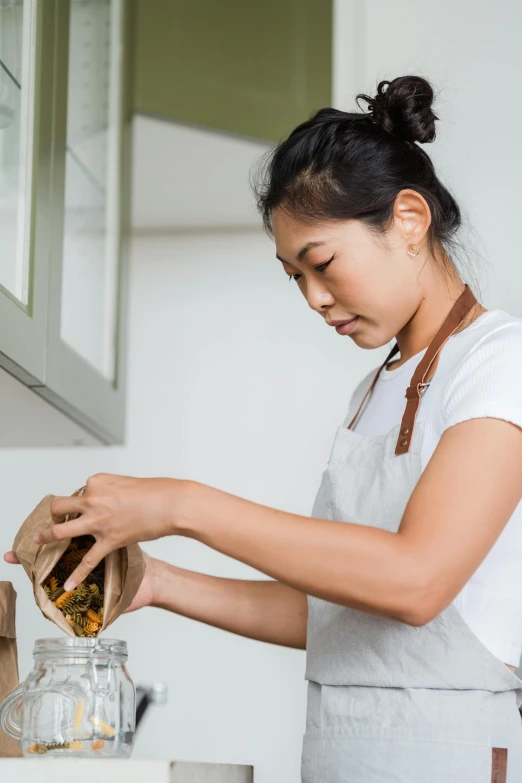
(253, 68)
(26, 90)
(87, 268)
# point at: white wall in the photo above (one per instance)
(472, 54)
(190, 178)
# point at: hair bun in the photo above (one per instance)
(403, 107)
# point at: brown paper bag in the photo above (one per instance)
(8, 660)
(124, 568)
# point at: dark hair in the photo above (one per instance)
(351, 165)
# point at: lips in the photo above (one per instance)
(341, 323)
(346, 327)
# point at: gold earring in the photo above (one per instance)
(413, 250)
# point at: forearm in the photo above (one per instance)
(264, 610)
(352, 565)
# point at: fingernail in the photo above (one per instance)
(69, 586)
(36, 539)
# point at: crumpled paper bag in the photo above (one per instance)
(8, 660)
(124, 568)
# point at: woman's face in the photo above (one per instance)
(346, 272)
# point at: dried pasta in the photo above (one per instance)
(77, 618)
(83, 606)
(63, 598)
(99, 724)
(78, 713)
(94, 616)
(44, 747)
(56, 593)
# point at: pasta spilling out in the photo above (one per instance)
(83, 606)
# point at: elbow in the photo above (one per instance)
(421, 604)
(417, 616)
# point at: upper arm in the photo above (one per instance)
(473, 481)
(462, 502)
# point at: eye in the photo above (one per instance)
(319, 268)
(322, 267)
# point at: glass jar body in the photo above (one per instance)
(78, 700)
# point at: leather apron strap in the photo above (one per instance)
(366, 397)
(424, 371)
(499, 759)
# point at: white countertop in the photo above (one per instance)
(116, 770)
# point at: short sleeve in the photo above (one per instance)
(488, 382)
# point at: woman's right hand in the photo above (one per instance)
(146, 592)
(145, 595)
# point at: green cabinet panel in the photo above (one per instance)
(244, 66)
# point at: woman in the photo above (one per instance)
(405, 586)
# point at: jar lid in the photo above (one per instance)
(79, 647)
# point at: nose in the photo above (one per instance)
(318, 298)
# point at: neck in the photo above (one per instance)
(441, 294)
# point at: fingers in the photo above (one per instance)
(65, 506)
(10, 557)
(59, 532)
(90, 560)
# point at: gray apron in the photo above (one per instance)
(388, 701)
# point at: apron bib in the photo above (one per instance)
(388, 702)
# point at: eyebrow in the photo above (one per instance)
(302, 253)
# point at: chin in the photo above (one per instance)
(363, 341)
(368, 341)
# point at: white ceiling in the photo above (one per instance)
(186, 177)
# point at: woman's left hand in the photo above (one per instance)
(117, 511)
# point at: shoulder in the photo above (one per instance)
(494, 328)
(482, 370)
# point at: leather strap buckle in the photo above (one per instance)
(416, 392)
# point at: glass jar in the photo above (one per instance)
(78, 701)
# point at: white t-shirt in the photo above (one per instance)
(479, 374)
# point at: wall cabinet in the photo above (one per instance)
(252, 68)
(64, 149)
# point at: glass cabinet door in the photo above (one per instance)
(16, 131)
(84, 358)
(26, 119)
(91, 220)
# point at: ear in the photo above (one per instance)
(412, 216)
